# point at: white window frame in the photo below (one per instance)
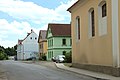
(90, 24)
(77, 39)
(102, 21)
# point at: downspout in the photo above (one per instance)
(115, 34)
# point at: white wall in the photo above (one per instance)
(29, 47)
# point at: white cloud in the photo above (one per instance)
(7, 43)
(33, 12)
(28, 12)
(11, 32)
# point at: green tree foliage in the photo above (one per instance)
(11, 51)
(43, 57)
(3, 56)
(68, 57)
(5, 52)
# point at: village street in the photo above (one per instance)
(23, 71)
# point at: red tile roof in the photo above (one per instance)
(60, 29)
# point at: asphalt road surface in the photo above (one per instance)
(16, 70)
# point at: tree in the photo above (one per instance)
(2, 54)
(5, 52)
(11, 51)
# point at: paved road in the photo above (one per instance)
(23, 71)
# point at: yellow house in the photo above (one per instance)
(96, 35)
(42, 43)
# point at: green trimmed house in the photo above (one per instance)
(58, 39)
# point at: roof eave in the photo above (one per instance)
(69, 9)
(62, 36)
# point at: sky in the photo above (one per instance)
(18, 17)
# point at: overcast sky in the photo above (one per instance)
(18, 17)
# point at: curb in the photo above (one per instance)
(97, 78)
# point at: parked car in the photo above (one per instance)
(31, 58)
(60, 58)
(54, 59)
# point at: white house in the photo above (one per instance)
(28, 47)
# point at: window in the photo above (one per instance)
(102, 18)
(52, 53)
(78, 27)
(48, 54)
(92, 23)
(30, 37)
(35, 38)
(70, 42)
(104, 10)
(64, 41)
(52, 42)
(48, 42)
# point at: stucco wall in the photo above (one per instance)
(58, 42)
(97, 50)
(45, 47)
(29, 46)
(57, 47)
(57, 52)
(19, 52)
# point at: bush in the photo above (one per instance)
(3, 56)
(68, 57)
(44, 57)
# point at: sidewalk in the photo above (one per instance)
(87, 73)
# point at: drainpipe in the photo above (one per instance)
(115, 34)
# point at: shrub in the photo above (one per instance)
(3, 56)
(68, 57)
(44, 57)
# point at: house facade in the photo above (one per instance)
(96, 35)
(28, 47)
(58, 39)
(42, 43)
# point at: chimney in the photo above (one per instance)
(31, 30)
